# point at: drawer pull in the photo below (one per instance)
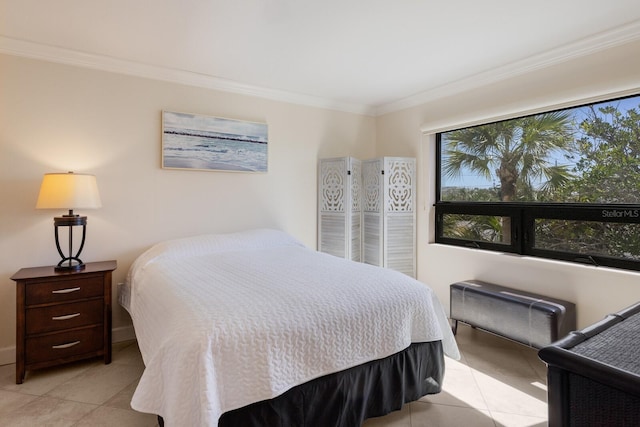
(65, 291)
(67, 345)
(66, 316)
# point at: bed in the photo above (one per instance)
(254, 328)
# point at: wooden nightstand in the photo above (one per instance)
(62, 316)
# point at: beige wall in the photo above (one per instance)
(55, 118)
(596, 291)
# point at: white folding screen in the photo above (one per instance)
(339, 207)
(389, 215)
(371, 209)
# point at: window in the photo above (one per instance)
(564, 184)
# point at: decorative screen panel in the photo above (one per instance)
(356, 185)
(372, 182)
(372, 239)
(367, 211)
(400, 244)
(356, 237)
(400, 176)
(332, 238)
(339, 207)
(333, 175)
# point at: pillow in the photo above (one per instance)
(213, 243)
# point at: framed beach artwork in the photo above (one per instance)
(191, 141)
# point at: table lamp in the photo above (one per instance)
(69, 191)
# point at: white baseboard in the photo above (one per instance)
(124, 333)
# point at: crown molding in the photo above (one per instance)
(593, 44)
(587, 46)
(23, 48)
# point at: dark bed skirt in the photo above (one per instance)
(349, 397)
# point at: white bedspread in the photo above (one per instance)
(223, 321)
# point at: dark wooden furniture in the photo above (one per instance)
(530, 319)
(593, 375)
(62, 316)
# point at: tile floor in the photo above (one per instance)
(496, 383)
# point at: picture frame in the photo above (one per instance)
(199, 142)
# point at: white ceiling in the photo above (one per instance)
(367, 56)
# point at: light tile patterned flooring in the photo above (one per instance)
(496, 383)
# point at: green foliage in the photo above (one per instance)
(589, 238)
(470, 194)
(602, 145)
(607, 158)
(607, 167)
(521, 155)
(484, 228)
(515, 152)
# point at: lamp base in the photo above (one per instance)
(69, 264)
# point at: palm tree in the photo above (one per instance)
(515, 152)
(473, 227)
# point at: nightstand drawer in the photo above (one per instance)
(64, 290)
(64, 316)
(64, 344)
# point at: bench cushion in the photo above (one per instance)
(531, 319)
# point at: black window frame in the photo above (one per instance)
(523, 216)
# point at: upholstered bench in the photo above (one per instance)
(531, 319)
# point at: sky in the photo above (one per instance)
(214, 124)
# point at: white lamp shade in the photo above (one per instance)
(68, 191)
